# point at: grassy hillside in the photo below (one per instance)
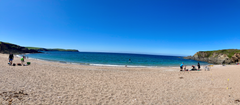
(228, 52)
(10, 45)
(13, 48)
(57, 49)
(7, 47)
(33, 48)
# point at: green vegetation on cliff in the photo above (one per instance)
(13, 48)
(9, 47)
(57, 49)
(34, 48)
(228, 52)
(226, 56)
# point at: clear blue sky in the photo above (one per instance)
(170, 27)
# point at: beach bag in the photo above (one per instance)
(19, 64)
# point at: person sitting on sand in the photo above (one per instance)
(193, 67)
(11, 57)
(185, 69)
(181, 67)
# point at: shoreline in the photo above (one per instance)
(34, 60)
(105, 65)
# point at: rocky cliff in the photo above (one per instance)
(56, 49)
(217, 57)
(16, 49)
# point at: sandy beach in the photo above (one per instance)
(52, 83)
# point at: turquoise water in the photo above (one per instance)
(113, 59)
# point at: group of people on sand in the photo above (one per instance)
(193, 67)
(11, 58)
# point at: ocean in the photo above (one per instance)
(114, 59)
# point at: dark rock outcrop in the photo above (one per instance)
(16, 49)
(214, 57)
(236, 58)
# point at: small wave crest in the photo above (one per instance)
(130, 66)
(18, 56)
(107, 65)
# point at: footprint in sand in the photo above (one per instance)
(180, 77)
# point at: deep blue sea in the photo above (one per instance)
(113, 59)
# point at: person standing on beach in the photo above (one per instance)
(22, 59)
(199, 66)
(11, 57)
(181, 67)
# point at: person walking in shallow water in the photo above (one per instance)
(11, 57)
(129, 61)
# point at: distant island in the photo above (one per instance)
(226, 56)
(16, 49)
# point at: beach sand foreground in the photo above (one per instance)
(52, 83)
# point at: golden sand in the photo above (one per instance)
(52, 83)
